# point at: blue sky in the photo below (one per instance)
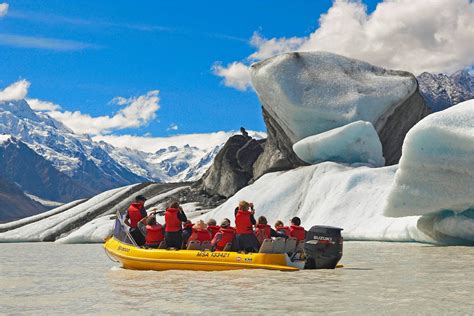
(82, 54)
(165, 45)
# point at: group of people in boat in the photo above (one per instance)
(177, 231)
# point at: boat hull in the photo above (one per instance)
(132, 257)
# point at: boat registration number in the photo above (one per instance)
(212, 254)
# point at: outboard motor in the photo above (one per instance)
(323, 247)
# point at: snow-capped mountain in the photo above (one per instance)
(441, 91)
(50, 161)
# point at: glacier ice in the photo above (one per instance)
(436, 169)
(58, 221)
(328, 194)
(310, 93)
(355, 142)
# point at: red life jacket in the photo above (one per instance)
(263, 232)
(298, 232)
(283, 229)
(243, 224)
(201, 235)
(224, 236)
(190, 225)
(173, 223)
(213, 230)
(154, 234)
(134, 214)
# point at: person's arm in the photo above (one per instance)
(252, 220)
(127, 220)
(274, 233)
(277, 233)
(142, 227)
(143, 212)
(252, 216)
(216, 239)
(181, 216)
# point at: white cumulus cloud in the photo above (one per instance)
(15, 91)
(235, 75)
(3, 9)
(137, 112)
(417, 36)
(39, 105)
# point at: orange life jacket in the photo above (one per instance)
(243, 224)
(224, 236)
(173, 223)
(213, 230)
(134, 214)
(298, 232)
(283, 229)
(263, 232)
(201, 235)
(154, 234)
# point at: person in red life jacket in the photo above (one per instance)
(174, 216)
(187, 231)
(135, 213)
(212, 227)
(244, 221)
(200, 232)
(153, 231)
(226, 234)
(296, 230)
(264, 231)
(282, 229)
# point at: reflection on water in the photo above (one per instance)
(377, 278)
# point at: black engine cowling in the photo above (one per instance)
(323, 247)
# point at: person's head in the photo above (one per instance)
(262, 220)
(174, 204)
(140, 199)
(211, 222)
(151, 220)
(244, 205)
(200, 225)
(279, 223)
(296, 221)
(225, 223)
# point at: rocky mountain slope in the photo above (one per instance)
(46, 159)
(442, 91)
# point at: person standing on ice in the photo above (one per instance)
(174, 217)
(135, 213)
(244, 222)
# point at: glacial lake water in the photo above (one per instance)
(378, 278)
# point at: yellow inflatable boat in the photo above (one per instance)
(321, 250)
(132, 257)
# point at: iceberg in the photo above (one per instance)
(436, 169)
(328, 194)
(356, 142)
(308, 93)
